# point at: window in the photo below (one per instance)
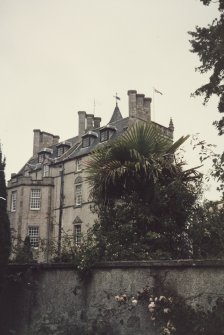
(78, 234)
(106, 134)
(33, 233)
(78, 194)
(103, 135)
(60, 151)
(13, 201)
(46, 170)
(40, 158)
(86, 142)
(35, 199)
(78, 164)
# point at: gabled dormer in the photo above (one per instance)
(43, 154)
(88, 138)
(106, 133)
(63, 147)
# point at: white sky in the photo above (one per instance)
(57, 56)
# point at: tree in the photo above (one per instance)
(208, 43)
(143, 196)
(24, 253)
(4, 220)
(207, 231)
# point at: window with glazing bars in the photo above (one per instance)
(35, 199)
(13, 202)
(78, 194)
(33, 233)
(78, 234)
(46, 170)
(40, 158)
(78, 164)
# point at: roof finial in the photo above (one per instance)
(171, 126)
(2, 160)
(117, 98)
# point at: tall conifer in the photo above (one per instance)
(4, 220)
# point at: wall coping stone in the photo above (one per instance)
(182, 263)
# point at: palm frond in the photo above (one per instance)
(141, 156)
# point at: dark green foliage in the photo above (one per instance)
(141, 157)
(207, 232)
(208, 43)
(143, 197)
(24, 253)
(207, 153)
(5, 244)
(218, 171)
(188, 320)
(170, 314)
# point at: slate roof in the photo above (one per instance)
(117, 122)
(119, 125)
(76, 150)
(116, 115)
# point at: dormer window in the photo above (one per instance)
(60, 151)
(86, 142)
(44, 153)
(41, 158)
(88, 139)
(106, 133)
(62, 148)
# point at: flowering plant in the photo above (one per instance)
(169, 313)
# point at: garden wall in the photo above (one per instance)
(49, 299)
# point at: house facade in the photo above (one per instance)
(49, 197)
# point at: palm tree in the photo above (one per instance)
(143, 196)
(138, 160)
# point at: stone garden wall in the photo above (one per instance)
(50, 299)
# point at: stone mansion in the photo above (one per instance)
(49, 196)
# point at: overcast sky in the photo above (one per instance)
(57, 56)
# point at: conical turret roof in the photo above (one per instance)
(116, 114)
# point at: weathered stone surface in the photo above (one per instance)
(50, 299)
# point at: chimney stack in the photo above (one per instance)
(147, 108)
(82, 122)
(42, 139)
(97, 121)
(139, 106)
(89, 118)
(132, 103)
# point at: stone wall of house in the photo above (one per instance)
(50, 299)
